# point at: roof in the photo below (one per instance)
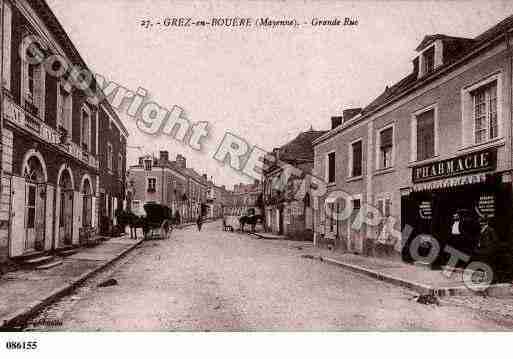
(429, 39)
(464, 48)
(300, 148)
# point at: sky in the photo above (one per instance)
(264, 85)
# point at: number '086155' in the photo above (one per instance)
(13, 345)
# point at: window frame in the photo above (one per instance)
(87, 110)
(148, 184)
(110, 156)
(379, 152)
(467, 110)
(65, 123)
(351, 159)
(38, 100)
(413, 129)
(327, 172)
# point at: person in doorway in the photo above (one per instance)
(199, 222)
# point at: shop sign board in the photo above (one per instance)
(480, 161)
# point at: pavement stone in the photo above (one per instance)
(26, 291)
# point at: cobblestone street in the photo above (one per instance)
(220, 281)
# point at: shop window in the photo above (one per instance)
(425, 135)
(356, 156)
(385, 148)
(331, 168)
(484, 101)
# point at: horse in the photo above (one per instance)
(251, 220)
(134, 222)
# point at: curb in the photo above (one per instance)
(16, 319)
(496, 290)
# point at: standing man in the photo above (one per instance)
(199, 222)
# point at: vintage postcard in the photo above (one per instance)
(255, 166)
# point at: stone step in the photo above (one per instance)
(38, 260)
(67, 252)
(49, 265)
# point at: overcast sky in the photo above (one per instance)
(265, 85)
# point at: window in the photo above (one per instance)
(120, 165)
(331, 167)
(356, 158)
(110, 155)
(385, 148)
(484, 101)
(152, 184)
(64, 108)
(148, 164)
(429, 61)
(33, 82)
(425, 135)
(85, 130)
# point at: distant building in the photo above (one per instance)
(160, 180)
(286, 195)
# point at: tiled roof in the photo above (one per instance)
(460, 46)
(300, 148)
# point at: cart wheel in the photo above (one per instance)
(164, 230)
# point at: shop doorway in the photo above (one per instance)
(35, 205)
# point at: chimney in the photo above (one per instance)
(336, 121)
(349, 113)
(204, 175)
(276, 153)
(164, 156)
(256, 183)
(223, 187)
(181, 161)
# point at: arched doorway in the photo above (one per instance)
(66, 208)
(34, 173)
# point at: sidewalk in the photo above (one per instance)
(24, 292)
(418, 278)
(265, 235)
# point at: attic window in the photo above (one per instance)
(429, 61)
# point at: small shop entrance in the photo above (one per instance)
(35, 206)
(454, 216)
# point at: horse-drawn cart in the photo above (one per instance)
(156, 221)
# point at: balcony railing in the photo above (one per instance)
(25, 120)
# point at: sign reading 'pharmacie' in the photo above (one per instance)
(481, 161)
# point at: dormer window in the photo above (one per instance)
(429, 60)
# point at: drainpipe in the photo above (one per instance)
(510, 80)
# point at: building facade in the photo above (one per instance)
(50, 137)
(433, 148)
(286, 195)
(160, 180)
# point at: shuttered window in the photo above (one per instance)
(426, 135)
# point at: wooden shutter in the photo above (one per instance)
(17, 234)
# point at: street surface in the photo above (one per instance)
(221, 281)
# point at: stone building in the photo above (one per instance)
(434, 146)
(286, 195)
(51, 138)
(160, 180)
